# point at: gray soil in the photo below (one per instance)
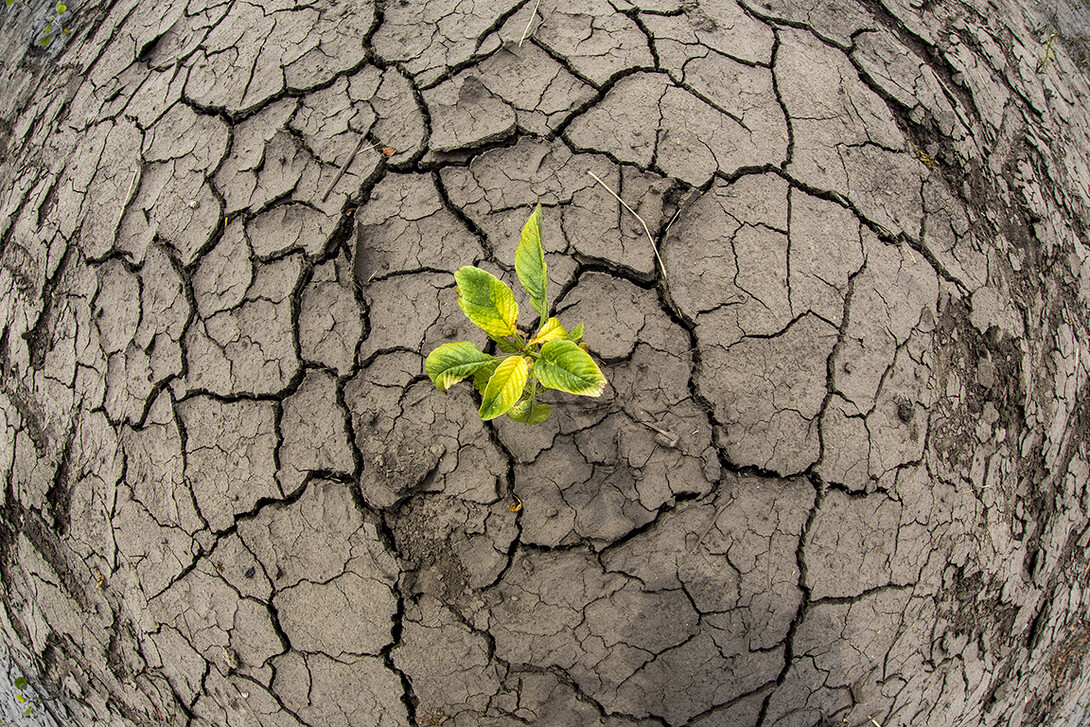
(840, 474)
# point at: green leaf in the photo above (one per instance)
(530, 263)
(61, 8)
(550, 331)
(521, 412)
(20, 699)
(44, 41)
(480, 379)
(506, 346)
(452, 362)
(487, 301)
(565, 366)
(505, 387)
(575, 334)
(20, 683)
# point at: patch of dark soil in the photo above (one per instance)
(30, 410)
(1067, 656)
(5, 139)
(40, 338)
(987, 368)
(422, 530)
(971, 595)
(46, 543)
(59, 495)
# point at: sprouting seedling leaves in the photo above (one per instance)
(553, 358)
(529, 411)
(452, 362)
(505, 386)
(565, 366)
(487, 301)
(530, 264)
(20, 682)
(550, 331)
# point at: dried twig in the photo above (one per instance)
(625, 205)
(671, 222)
(533, 14)
(127, 198)
(344, 167)
(665, 437)
(715, 518)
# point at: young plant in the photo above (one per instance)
(553, 358)
(53, 20)
(20, 684)
(1042, 61)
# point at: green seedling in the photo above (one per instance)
(1043, 60)
(552, 358)
(20, 683)
(54, 24)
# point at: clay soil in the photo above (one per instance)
(839, 475)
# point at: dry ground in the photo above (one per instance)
(840, 475)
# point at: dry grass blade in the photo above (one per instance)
(711, 525)
(128, 197)
(644, 224)
(526, 31)
(344, 167)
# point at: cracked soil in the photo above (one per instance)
(840, 474)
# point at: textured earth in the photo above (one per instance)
(840, 474)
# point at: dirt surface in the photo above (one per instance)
(840, 474)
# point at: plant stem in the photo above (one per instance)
(647, 231)
(344, 167)
(533, 396)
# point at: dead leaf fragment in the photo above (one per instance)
(924, 157)
(388, 151)
(516, 507)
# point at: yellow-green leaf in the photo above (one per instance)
(523, 414)
(505, 387)
(575, 334)
(452, 362)
(565, 366)
(530, 263)
(487, 301)
(551, 331)
(61, 8)
(480, 379)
